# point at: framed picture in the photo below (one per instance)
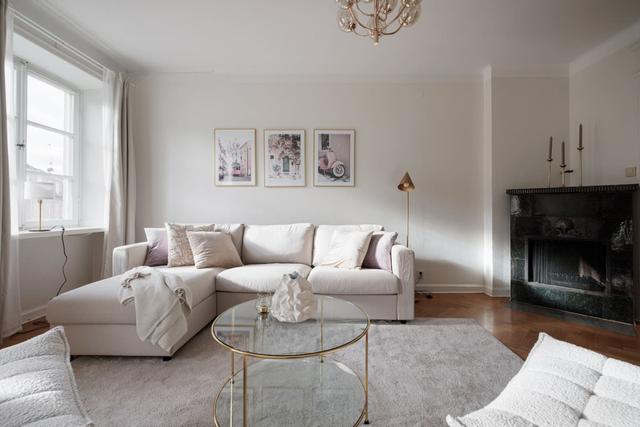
(334, 158)
(234, 156)
(284, 158)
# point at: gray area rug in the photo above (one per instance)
(419, 373)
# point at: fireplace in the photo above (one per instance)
(572, 250)
(569, 263)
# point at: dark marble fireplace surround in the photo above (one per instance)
(572, 250)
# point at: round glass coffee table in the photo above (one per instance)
(294, 382)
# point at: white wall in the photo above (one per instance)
(525, 113)
(605, 98)
(40, 268)
(432, 130)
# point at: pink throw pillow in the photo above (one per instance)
(379, 252)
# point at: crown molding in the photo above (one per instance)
(627, 38)
(46, 14)
(542, 71)
(315, 78)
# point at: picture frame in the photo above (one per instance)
(334, 157)
(234, 157)
(285, 158)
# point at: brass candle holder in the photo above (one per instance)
(563, 173)
(580, 148)
(580, 165)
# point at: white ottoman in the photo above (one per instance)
(561, 384)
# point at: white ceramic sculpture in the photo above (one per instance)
(293, 301)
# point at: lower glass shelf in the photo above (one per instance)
(301, 392)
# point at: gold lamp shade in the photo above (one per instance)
(406, 184)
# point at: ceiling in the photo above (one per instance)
(453, 38)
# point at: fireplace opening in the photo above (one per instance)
(575, 264)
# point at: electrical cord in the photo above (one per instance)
(41, 323)
(66, 258)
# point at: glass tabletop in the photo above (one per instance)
(336, 324)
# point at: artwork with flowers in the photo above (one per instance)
(284, 158)
(234, 156)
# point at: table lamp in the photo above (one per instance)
(406, 185)
(39, 191)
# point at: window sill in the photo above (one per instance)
(71, 231)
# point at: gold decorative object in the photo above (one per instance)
(580, 148)
(406, 185)
(377, 18)
(563, 168)
(549, 160)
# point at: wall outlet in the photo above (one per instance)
(630, 172)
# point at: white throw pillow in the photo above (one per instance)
(179, 249)
(213, 249)
(324, 233)
(347, 249)
(37, 386)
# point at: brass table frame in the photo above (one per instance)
(322, 353)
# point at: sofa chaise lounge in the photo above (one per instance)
(97, 324)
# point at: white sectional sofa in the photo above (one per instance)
(97, 324)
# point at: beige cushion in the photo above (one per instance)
(324, 233)
(290, 243)
(179, 250)
(337, 281)
(213, 249)
(98, 302)
(235, 230)
(347, 249)
(257, 277)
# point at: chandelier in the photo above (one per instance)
(377, 18)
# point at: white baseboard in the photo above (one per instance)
(499, 293)
(450, 288)
(34, 313)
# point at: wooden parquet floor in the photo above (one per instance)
(518, 330)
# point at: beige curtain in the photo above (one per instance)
(121, 194)
(5, 179)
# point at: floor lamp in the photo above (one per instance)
(406, 185)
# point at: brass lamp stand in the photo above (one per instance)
(406, 185)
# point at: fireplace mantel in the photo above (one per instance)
(588, 189)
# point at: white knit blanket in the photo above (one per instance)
(162, 303)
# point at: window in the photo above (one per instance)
(47, 137)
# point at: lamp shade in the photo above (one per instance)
(406, 184)
(39, 190)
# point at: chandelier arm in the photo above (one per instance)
(400, 25)
(359, 34)
(399, 14)
(362, 11)
(355, 17)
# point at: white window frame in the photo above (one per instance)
(23, 70)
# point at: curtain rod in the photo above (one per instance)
(38, 34)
